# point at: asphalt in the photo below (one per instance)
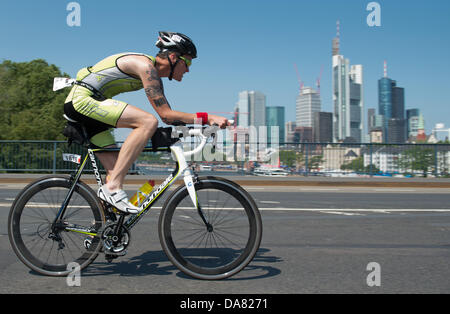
(375, 181)
(314, 242)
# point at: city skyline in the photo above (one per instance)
(255, 52)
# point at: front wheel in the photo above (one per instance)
(223, 246)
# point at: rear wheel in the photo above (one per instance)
(220, 249)
(32, 233)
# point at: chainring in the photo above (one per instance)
(115, 243)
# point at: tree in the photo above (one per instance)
(29, 109)
(288, 157)
(357, 165)
(315, 161)
(417, 158)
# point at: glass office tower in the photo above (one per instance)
(275, 117)
(391, 105)
(252, 108)
(348, 120)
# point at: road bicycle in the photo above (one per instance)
(209, 227)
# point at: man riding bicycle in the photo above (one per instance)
(90, 103)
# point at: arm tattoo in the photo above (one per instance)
(160, 101)
(155, 89)
(173, 122)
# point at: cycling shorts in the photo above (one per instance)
(99, 116)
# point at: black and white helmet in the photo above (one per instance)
(176, 42)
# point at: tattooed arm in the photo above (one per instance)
(141, 67)
(155, 93)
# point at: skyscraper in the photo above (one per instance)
(398, 102)
(391, 104)
(347, 81)
(252, 109)
(275, 117)
(396, 130)
(412, 116)
(289, 131)
(323, 127)
(370, 119)
(391, 99)
(308, 102)
(385, 99)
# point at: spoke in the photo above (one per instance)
(232, 219)
(39, 216)
(227, 239)
(195, 222)
(239, 235)
(193, 233)
(35, 223)
(221, 251)
(77, 245)
(201, 236)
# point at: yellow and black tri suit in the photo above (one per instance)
(100, 114)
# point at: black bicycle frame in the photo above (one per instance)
(74, 178)
(152, 198)
(133, 219)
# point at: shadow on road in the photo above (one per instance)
(157, 263)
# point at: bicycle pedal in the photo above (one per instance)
(116, 254)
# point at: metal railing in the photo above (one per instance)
(372, 159)
(296, 158)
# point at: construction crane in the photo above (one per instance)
(318, 80)
(298, 77)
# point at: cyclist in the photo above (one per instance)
(90, 102)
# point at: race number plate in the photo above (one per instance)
(72, 158)
(62, 82)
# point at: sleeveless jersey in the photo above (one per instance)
(108, 79)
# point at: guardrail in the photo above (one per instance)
(297, 158)
(36, 156)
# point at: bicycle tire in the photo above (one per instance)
(40, 201)
(214, 260)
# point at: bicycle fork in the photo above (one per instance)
(190, 184)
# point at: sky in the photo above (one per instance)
(247, 45)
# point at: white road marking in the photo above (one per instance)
(396, 190)
(342, 211)
(319, 189)
(369, 210)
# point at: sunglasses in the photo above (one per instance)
(187, 61)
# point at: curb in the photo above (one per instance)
(265, 181)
